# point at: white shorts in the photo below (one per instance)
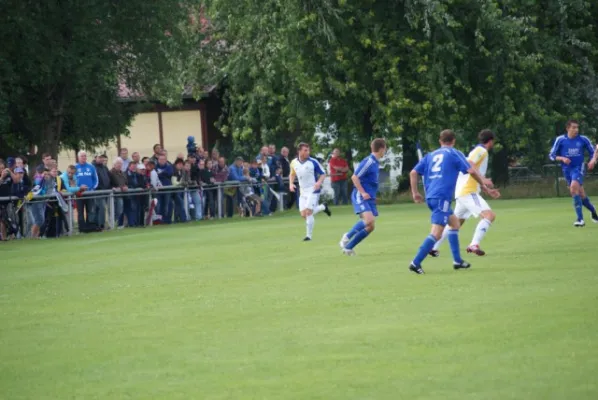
(470, 205)
(308, 201)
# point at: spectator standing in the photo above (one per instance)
(195, 190)
(87, 179)
(285, 166)
(135, 158)
(215, 156)
(264, 153)
(264, 187)
(120, 186)
(20, 190)
(69, 182)
(132, 202)
(201, 153)
(8, 178)
(207, 181)
(180, 178)
(165, 172)
(124, 155)
(104, 183)
(338, 176)
(37, 208)
(235, 173)
(157, 152)
(221, 173)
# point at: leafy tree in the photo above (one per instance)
(63, 62)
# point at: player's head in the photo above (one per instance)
(378, 147)
(303, 150)
(572, 127)
(486, 138)
(447, 138)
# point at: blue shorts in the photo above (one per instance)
(36, 211)
(360, 205)
(441, 211)
(575, 174)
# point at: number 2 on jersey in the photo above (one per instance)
(437, 160)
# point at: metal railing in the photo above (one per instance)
(220, 193)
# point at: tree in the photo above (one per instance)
(407, 69)
(64, 62)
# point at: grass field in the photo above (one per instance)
(246, 310)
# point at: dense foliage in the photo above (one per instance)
(402, 69)
(62, 61)
(406, 69)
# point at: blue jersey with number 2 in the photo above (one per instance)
(440, 170)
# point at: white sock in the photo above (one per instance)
(310, 222)
(480, 231)
(442, 238)
(319, 208)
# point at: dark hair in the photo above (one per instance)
(447, 136)
(571, 122)
(44, 155)
(179, 161)
(71, 168)
(144, 158)
(378, 144)
(156, 145)
(302, 145)
(485, 136)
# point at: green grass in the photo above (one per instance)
(245, 310)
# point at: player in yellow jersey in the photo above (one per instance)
(467, 195)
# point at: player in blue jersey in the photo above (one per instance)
(363, 197)
(440, 170)
(569, 149)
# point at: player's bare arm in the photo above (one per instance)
(292, 180)
(479, 179)
(594, 159)
(320, 181)
(359, 187)
(564, 160)
(413, 180)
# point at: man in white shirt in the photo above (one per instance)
(310, 175)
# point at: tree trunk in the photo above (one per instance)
(51, 134)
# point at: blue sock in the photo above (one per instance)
(357, 238)
(424, 249)
(588, 204)
(360, 225)
(577, 206)
(453, 239)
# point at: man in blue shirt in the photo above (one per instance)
(440, 170)
(569, 149)
(85, 177)
(363, 197)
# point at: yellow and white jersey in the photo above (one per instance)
(308, 172)
(465, 183)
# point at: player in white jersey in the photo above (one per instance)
(310, 175)
(468, 199)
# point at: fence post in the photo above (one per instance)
(111, 210)
(186, 203)
(149, 207)
(281, 202)
(71, 217)
(219, 201)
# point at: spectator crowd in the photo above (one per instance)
(146, 190)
